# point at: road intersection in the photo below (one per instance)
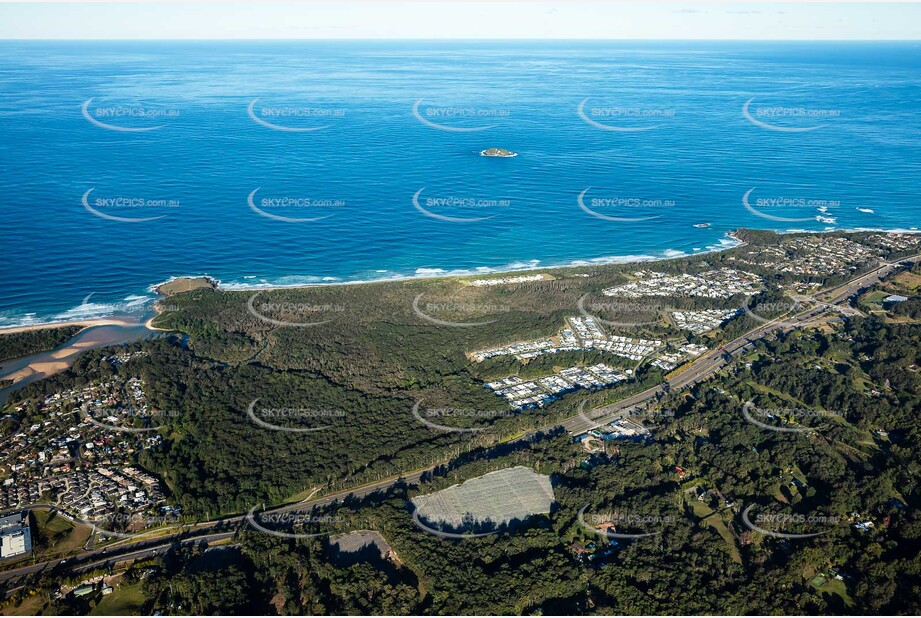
(695, 372)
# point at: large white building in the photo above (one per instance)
(15, 536)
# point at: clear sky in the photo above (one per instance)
(461, 20)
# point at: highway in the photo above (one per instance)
(711, 362)
(698, 370)
(91, 560)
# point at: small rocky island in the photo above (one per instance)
(497, 152)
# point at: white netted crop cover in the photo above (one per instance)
(499, 497)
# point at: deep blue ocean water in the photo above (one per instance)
(75, 194)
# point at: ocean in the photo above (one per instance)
(123, 164)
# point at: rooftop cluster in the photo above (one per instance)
(79, 457)
(580, 333)
(895, 241)
(96, 494)
(523, 394)
(508, 280)
(808, 256)
(699, 322)
(722, 283)
(670, 360)
(624, 428)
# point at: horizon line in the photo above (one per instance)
(467, 39)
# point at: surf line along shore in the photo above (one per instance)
(175, 285)
(181, 284)
(93, 333)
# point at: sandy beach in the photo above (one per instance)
(84, 323)
(43, 364)
(466, 275)
(149, 324)
(40, 369)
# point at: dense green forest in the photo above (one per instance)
(366, 361)
(14, 345)
(849, 388)
(864, 461)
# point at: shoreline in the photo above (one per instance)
(484, 272)
(487, 271)
(456, 274)
(490, 271)
(89, 323)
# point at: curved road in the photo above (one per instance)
(700, 369)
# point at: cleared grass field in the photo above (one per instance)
(836, 587)
(124, 601)
(825, 584)
(713, 519)
(56, 535)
